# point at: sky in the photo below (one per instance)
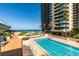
(21, 16)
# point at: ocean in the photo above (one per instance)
(27, 30)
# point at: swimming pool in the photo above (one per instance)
(54, 48)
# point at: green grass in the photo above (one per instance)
(37, 33)
(22, 33)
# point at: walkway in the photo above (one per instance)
(62, 40)
(13, 48)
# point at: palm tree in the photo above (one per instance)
(66, 18)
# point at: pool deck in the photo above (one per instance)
(41, 52)
(68, 42)
(36, 49)
(13, 47)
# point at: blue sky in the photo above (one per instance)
(21, 16)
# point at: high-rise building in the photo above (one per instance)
(46, 17)
(58, 15)
(76, 15)
(62, 17)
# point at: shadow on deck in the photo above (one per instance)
(14, 52)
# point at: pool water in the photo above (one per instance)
(54, 48)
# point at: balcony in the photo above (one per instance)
(74, 6)
(48, 13)
(60, 11)
(49, 4)
(59, 8)
(75, 17)
(61, 4)
(48, 8)
(66, 6)
(48, 27)
(56, 4)
(60, 15)
(58, 18)
(61, 21)
(63, 30)
(74, 13)
(62, 25)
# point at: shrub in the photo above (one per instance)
(7, 33)
(22, 33)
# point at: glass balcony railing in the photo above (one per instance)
(61, 28)
(49, 4)
(48, 8)
(62, 24)
(49, 13)
(49, 18)
(61, 7)
(62, 10)
(59, 15)
(58, 5)
(60, 21)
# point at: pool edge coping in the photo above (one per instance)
(41, 48)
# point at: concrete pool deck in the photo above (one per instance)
(40, 52)
(68, 42)
(37, 51)
(13, 47)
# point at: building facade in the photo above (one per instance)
(60, 17)
(46, 17)
(76, 15)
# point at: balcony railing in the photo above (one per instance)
(60, 21)
(60, 11)
(58, 18)
(59, 15)
(56, 4)
(62, 24)
(61, 7)
(61, 4)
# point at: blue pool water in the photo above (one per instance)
(54, 48)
